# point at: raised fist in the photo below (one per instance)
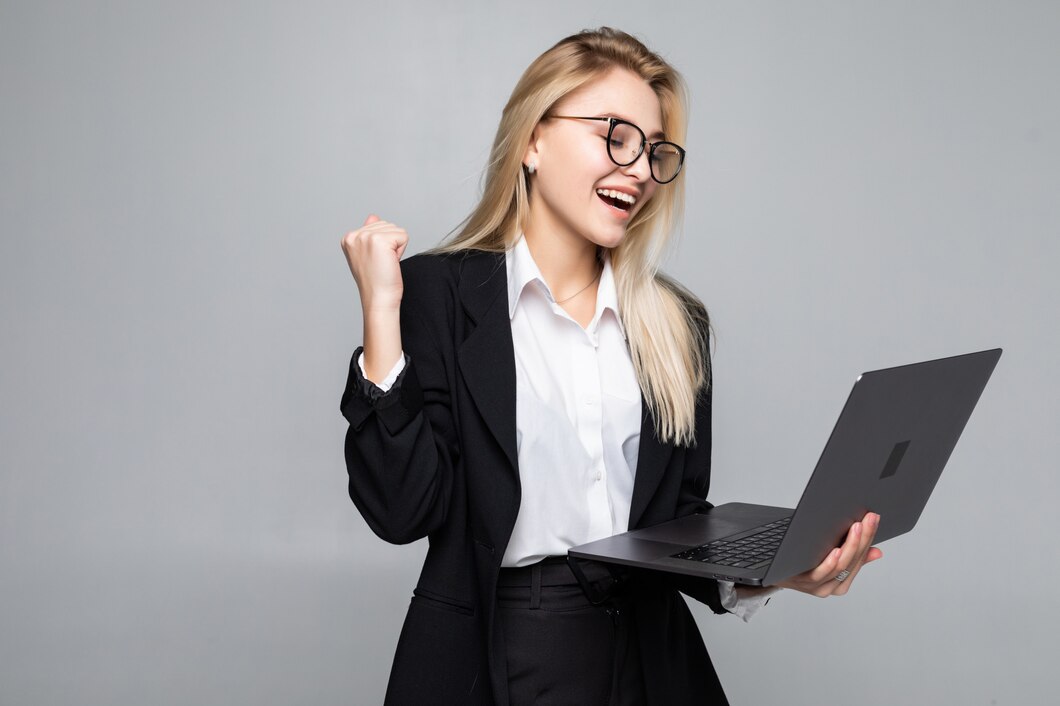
(373, 252)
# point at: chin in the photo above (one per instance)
(610, 237)
(607, 240)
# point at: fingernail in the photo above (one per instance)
(856, 529)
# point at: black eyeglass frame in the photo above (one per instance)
(612, 122)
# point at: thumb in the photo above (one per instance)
(372, 218)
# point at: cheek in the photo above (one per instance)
(571, 178)
(594, 153)
(647, 195)
(585, 159)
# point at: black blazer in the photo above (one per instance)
(436, 457)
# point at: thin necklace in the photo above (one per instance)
(595, 277)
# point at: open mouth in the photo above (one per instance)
(617, 199)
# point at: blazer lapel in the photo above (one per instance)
(487, 355)
(651, 465)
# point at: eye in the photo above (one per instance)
(625, 138)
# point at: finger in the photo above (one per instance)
(841, 587)
(849, 556)
(392, 239)
(373, 234)
(377, 226)
(870, 553)
(867, 530)
(371, 225)
(851, 547)
(869, 525)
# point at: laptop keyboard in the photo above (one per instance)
(746, 552)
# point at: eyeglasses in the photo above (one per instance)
(625, 145)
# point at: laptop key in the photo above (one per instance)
(754, 549)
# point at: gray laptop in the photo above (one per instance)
(886, 452)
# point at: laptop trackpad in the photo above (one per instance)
(718, 522)
(630, 548)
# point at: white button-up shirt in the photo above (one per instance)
(578, 416)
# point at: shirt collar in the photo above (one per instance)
(522, 270)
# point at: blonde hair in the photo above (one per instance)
(666, 325)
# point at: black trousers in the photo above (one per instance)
(561, 649)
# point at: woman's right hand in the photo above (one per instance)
(373, 252)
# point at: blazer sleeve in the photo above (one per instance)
(402, 446)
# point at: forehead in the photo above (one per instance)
(618, 93)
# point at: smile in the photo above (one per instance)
(616, 199)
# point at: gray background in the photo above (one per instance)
(870, 184)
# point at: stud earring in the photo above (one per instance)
(531, 168)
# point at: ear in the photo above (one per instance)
(532, 155)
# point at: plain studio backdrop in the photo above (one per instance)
(869, 184)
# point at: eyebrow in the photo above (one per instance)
(658, 134)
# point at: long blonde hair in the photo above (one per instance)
(666, 325)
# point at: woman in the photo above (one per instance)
(535, 384)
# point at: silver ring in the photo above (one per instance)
(842, 575)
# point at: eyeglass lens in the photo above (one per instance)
(626, 144)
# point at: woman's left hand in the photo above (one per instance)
(835, 574)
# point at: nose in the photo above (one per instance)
(640, 168)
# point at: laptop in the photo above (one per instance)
(887, 450)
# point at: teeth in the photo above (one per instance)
(611, 193)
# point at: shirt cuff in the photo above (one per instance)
(743, 607)
(387, 382)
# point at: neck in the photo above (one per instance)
(567, 261)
